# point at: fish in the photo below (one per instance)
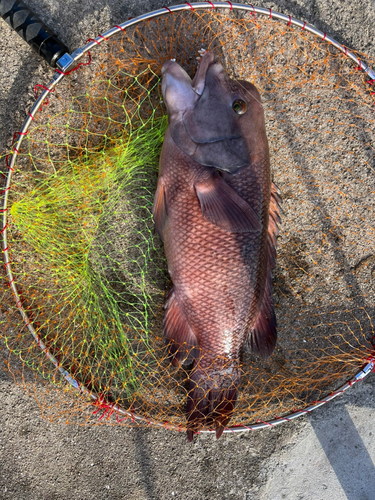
(217, 212)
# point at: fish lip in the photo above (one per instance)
(176, 87)
(166, 64)
(199, 81)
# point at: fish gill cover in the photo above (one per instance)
(89, 265)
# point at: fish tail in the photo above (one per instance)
(211, 400)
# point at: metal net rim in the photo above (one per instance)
(66, 65)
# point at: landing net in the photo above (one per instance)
(85, 278)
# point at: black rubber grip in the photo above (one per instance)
(32, 30)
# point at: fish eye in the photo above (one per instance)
(239, 106)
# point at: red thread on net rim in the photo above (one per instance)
(18, 133)
(212, 5)
(325, 34)
(360, 66)
(231, 6)
(31, 116)
(270, 13)
(304, 26)
(253, 13)
(286, 419)
(93, 40)
(79, 65)
(45, 88)
(119, 27)
(167, 8)
(102, 404)
(370, 82)
(187, 3)
(290, 21)
(15, 138)
(264, 422)
(7, 164)
(118, 420)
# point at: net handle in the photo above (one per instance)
(32, 30)
(65, 65)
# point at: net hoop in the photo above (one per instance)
(67, 66)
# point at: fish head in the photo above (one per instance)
(217, 121)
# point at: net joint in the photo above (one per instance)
(64, 66)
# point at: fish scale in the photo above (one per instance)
(198, 262)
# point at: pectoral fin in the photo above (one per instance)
(222, 206)
(159, 210)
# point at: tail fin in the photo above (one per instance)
(211, 399)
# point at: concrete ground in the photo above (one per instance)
(328, 455)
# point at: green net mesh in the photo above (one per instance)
(89, 266)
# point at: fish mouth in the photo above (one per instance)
(179, 91)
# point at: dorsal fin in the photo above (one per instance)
(273, 221)
(262, 337)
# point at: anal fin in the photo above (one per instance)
(181, 341)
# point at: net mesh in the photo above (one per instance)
(90, 268)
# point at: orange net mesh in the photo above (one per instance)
(90, 268)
